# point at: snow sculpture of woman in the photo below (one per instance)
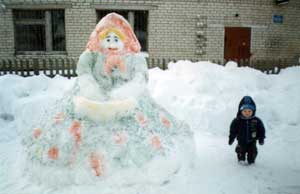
(109, 121)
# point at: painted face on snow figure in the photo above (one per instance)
(112, 42)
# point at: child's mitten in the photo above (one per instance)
(261, 142)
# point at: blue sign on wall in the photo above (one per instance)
(278, 19)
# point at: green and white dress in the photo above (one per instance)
(112, 116)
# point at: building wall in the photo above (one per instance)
(80, 21)
(172, 25)
(172, 29)
(6, 34)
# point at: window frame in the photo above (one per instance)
(48, 30)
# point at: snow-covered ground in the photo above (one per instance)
(203, 94)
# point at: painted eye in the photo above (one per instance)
(107, 40)
(116, 40)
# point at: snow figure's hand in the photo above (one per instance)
(37, 133)
(114, 61)
(96, 163)
(89, 87)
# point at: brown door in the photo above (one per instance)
(237, 43)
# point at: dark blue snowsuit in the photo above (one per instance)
(247, 131)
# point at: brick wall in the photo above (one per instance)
(172, 25)
(80, 21)
(6, 34)
(172, 30)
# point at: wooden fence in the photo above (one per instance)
(34, 66)
(67, 66)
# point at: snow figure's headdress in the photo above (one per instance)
(114, 23)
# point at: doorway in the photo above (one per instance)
(237, 43)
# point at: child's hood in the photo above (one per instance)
(248, 101)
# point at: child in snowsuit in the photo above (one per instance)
(247, 128)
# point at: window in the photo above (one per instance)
(39, 31)
(137, 19)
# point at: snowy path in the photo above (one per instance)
(218, 171)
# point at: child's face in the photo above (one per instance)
(247, 113)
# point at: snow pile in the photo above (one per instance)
(203, 94)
